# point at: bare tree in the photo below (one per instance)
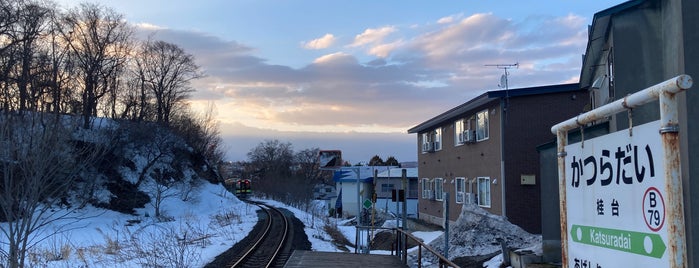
(164, 186)
(40, 163)
(307, 161)
(136, 98)
(33, 19)
(212, 145)
(9, 17)
(58, 69)
(201, 132)
(272, 157)
(154, 144)
(9, 40)
(167, 70)
(29, 56)
(99, 40)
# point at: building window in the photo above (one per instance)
(459, 137)
(438, 139)
(438, 189)
(432, 141)
(426, 143)
(459, 189)
(386, 187)
(463, 132)
(484, 191)
(426, 188)
(482, 125)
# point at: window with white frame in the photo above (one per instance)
(426, 188)
(439, 189)
(459, 137)
(459, 188)
(438, 139)
(484, 191)
(426, 142)
(432, 141)
(482, 125)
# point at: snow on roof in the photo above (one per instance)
(349, 174)
(396, 172)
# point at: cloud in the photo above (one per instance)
(448, 19)
(384, 50)
(148, 26)
(324, 42)
(372, 36)
(338, 58)
(385, 81)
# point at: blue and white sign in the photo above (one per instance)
(615, 190)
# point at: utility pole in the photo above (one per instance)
(504, 104)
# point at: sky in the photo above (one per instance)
(356, 75)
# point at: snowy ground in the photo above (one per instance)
(101, 238)
(210, 225)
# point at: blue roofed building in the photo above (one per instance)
(391, 178)
(353, 183)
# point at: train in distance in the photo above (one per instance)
(241, 187)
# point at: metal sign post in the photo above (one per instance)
(621, 194)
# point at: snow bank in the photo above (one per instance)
(477, 233)
(210, 223)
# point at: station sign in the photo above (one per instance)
(615, 189)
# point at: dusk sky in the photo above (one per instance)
(356, 75)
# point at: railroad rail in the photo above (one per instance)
(268, 245)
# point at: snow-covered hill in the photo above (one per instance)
(149, 202)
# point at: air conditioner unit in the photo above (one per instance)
(469, 136)
(428, 147)
(460, 139)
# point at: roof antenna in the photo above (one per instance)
(504, 82)
(503, 78)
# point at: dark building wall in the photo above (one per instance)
(480, 159)
(637, 46)
(653, 42)
(550, 198)
(689, 127)
(664, 44)
(550, 203)
(528, 124)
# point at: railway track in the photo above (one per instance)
(268, 245)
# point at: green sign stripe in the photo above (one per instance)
(646, 244)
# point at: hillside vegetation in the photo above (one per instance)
(51, 167)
